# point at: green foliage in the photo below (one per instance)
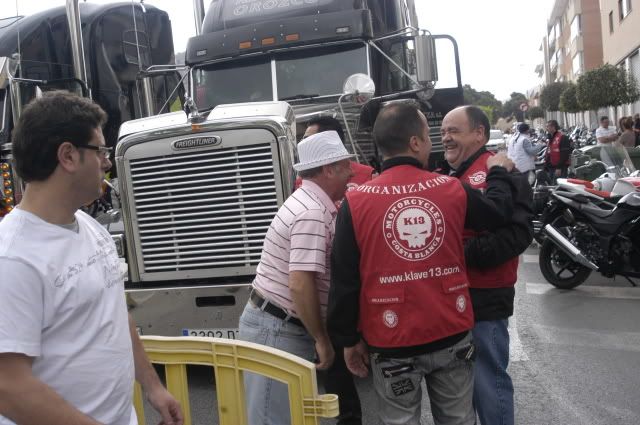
(485, 100)
(550, 95)
(489, 111)
(474, 97)
(606, 86)
(569, 100)
(535, 112)
(512, 106)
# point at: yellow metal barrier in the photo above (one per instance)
(230, 358)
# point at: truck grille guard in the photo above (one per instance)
(202, 213)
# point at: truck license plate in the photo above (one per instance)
(228, 333)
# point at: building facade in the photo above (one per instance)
(573, 45)
(620, 26)
(574, 39)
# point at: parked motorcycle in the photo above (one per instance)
(606, 181)
(588, 229)
(581, 136)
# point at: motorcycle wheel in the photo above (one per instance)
(558, 269)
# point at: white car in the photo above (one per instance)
(496, 141)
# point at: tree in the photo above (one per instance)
(550, 95)
(606, 86)
(512, 106)
(535, 112)
(569, 100)
(489, 112)
(484, 99)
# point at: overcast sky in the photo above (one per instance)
(498, 39)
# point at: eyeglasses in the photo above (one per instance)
(103, 151)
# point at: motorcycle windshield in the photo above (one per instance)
(617, 159)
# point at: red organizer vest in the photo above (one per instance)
(506, 274)
(408, 224)
(554, 150)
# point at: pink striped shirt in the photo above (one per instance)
(299, 239)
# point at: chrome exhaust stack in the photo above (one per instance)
(568, 248)
(198, 15)
(77, 47)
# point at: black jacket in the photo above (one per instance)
(489, 250)
(344, 294)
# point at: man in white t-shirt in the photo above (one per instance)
(605, 134)
(69, 352)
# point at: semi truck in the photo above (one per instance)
(110, 52)
(199, 188)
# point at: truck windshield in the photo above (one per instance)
(29, 90)
(300, 74)
(318, 72)
(246, 80)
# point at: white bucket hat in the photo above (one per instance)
(320, 149)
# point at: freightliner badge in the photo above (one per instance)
(196, 142)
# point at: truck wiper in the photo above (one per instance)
(299, 96)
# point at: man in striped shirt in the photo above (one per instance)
(287, 306)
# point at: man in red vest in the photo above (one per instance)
(492, 262)
(558, 155)
(399, 288)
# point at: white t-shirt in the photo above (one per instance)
(604, 132)
(62, 303)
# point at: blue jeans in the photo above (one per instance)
(449, 382)
(268, 400)
(493, 389)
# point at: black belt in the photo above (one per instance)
(272, 309)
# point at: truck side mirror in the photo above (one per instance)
(359, 87)
(426, 62)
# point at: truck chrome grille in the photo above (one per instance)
(204, 209)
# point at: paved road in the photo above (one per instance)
(575, 355)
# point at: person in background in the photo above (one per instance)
(558, 155)
(69, 352)
(636, 127)
(628, 136)
(619, 129)
(361, 173)
(605, 134)
(523, 152)
(287, 304)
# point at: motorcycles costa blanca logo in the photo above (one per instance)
(413, 228)
(478, 178)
